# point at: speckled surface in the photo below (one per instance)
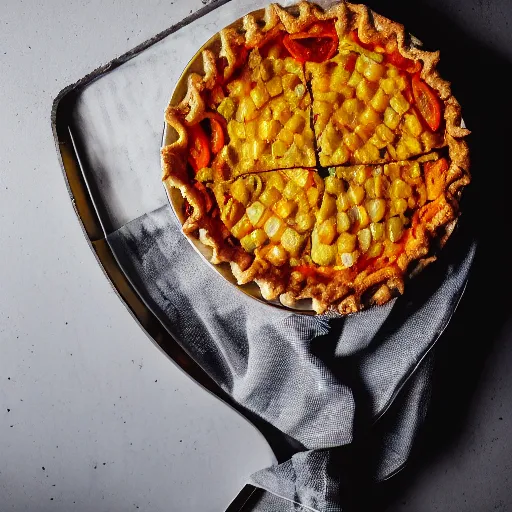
(92, 416)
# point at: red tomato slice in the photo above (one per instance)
(199, 147)
(218, 127)
(350, 65)
(399, 61)
(427, 102)
(317, 44)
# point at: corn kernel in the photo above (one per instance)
(247, 110)
(415, 170)
(413, 145)
(367, 154)
(377, 230)
(364, 238)
(253, 240)
(270, 196)
(266, 113)
(384, 133)
(360, 64)
(380, 101)
(313, 195)
(377, 141)
(300, 90)
(374, 71)
(353, 106)
(343, 202)
(355, 78)
(323, 254)
(327, 231)
(286, 136)
(375, 250)
(358, 215)
(226, 108)
(349, 259)
(238, 88)
(260, 95)
(365, 90)
(339, 78)
(292, 66)
(346, 243)
(277, 256)
(376, 209)
(327, 208)
(399, 189)
(413, 125)
(355, 194)
(391, 118)
(274, 52)
(369, 117)
(255, 212)
(402, 152)
(279, 148)
(291, 190)
(274, 86)
(352, 141)
(274, 228)
(322, 83)
(304, 221)
(388, 85)
(341, 155)
(268, 130)
(257, 148)
(392, 72)
(401, 82)
(429, 140)
(363, 132)
(284, 208)
(276, 180)
(398, 206)
(236, 130)
(342, 222)
(399, 103)
(281, 112)
(333, 185)
(361, 174)
(296, 123)
(290, 81)
(242, 228)
(299, 140)
(394, 229)
(291, 241)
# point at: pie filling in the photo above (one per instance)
(324, 160)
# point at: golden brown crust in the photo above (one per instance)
(344, 291)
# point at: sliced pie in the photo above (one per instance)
(319, 153)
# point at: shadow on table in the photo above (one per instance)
(478, 74)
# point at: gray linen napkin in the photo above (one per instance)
(322, 381)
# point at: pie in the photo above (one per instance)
(319, 153)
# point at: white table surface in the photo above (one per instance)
(92, 415)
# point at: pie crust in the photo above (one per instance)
(353, 237)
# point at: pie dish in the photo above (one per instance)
(319, 153)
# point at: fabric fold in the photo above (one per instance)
(323, 381)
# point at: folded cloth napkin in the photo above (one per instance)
(323, 381)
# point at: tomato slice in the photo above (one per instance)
(317, 44)
(399, 61)
(350, 65)
(199, 147)
(427, 102)
(218, 127)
